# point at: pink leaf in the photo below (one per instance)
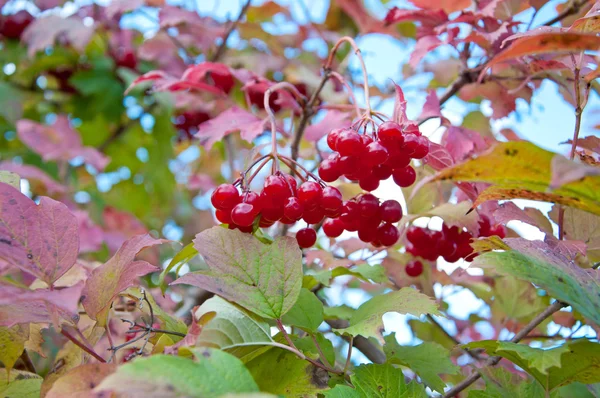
(91, 236)
(58, 142)
(333, 119)
(118, 7)
(18, 305)
(428, 18)
(34, 175)
(565, 171)
(438, 157)
(194, 30)
(201, 182)
(43, 32)
(120, 226)
(116, 275)
(161, 50)
(233, 119)
(431, 108)
(423, 47)
(399, 115)
(446, 5)
(42, 240)
(508, 211)
(591, 143)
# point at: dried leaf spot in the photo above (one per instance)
(6, 241)
(511, 152)
(30, 256)
(561, 280)
(12, 202)
(206, 354)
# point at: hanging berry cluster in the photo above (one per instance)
(451, 243)
(370, 159)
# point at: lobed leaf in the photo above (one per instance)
(306, 313)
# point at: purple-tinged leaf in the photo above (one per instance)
(201, 182)
(509, 211)
(333, 119)
(432, 108)
(91, 236)
(565, 171)
(58, 142)
(35, 177)
(116, 275)
(428, 18)
(591, 143)
(424, 46)
(399, 115)
(120, 226)
(19, 305)
(42, 240)
(43, 32)
(119, 7)
(233, 119)
(81, 381)
(161, 50)
(438, 157)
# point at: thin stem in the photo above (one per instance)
(573, 8)
(350, 345)
(491, 361)
(223, 46)
(154, 330)
(82, 346)
(288, 339)
(341, 79)
(291, 162)
(27, 362)
(321, 354)
(329, 62)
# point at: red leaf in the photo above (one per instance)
(446, 5)
(58, 142)
(424, 46)
(42, 240)
(34, 175)
(509, 211)
(91, 236)
(438, 157)
(43, 32)
(430, 18)
(233, 119)
(119, 7)
(432, 107)
(193, 30)
(590, 23)
(116, 275)
(120, 226)
(565, 171)
(591, 143)
(399, 115)
(361, 16)
(333, 119)
(18, 305)
(462, 143)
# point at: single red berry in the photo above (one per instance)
(14, 25)
(417, 236)
(387, 234)
(376, 154)
(306, 237)
(390, 211)
(349, 143)
(348, 164)
(314, 215)
(404, 177)
(293, 184)
(292, 209)
(499, 231)
(254, 199)
(414, 268)
(223, 216)
(422, 148)
(333, 227)
(265, 223)
(243, 214)
(288, 221)
(350, 216)
(331, 199)
(445, 247)
(272, 213)
(329, 170)
(225, 197)
(382, 172)
(332, 138)
(246, 229)
(485, 226)
(369, 183)
(368, 205)
(277, 188)
(398, 160)
(366, 140)
(390, 133)
(367, 233)
(309, 194)
(411, 144)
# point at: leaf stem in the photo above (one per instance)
(349, 356)
(82, 346)
(321, 354)
(223, 46)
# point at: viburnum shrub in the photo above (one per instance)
(199, 207)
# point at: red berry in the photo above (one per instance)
(376, 154)
(225, 197)
(367, 233)
(499, 231)
(272, 213)
(414, 268)
(333, 227)
(350, 216)
(369, 183)
(265, 223)
(390, 211)
(405, 177)
(349, 143)
(309, 194)
(223, 216)
(14, 25)
(292, 209)
(366, 140)
(398, 160)
(292, 184)
(387, 234)
(368, 205)
(331, 199)
(382, 172)
(422, 148)
(223, 80)
(313, 216)
(348, 164)
(277, 188)
(332, 138)
(417, 236)
(243, 214)
(329, 170)
(485, 226)
(390, 133)
(306, 237)
(254, 199)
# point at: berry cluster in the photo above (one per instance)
(372, 220)
(370, 159)
(281, 199)
(451, 243)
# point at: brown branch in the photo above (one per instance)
(370, 350)
(82, 346)
(492, 361)
(27, 362)
(471, 353)
(571, 9)
(221, 49)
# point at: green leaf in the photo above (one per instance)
(12, 343)
(579, 225)
(265, 279)
(307, 345)
(307, 313)
(233, 329)
(19, 384)
(536, 262)
(519, 169)
(516, 299)
(339, 312)
(365, 272)
(428, 360)
(11, 102)
(377, 381)
(282, 372)
(10, 178)
(181, 258)
(366, 320)
(578, 361)
(211, 374)
(501, 383)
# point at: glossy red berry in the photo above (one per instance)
(292, 209)
(14, 25)
(404, 177)
(225, 197)
(243, 214)
(390, 211)
(309, 194)
(387, 234)
(349, 143)
(272, 213)
(254, 199)
(292, 184)
(368, 205)
(414, 268)
(422, 148)
(367, 233)
(223, 216)
(329, 170)
(350, 216)
(398, 160)
(376, 153)
(314, 215)
(277, 188)
(333, 227)
(331, 199)
(332, 138)
(306, 237)
(382, 172)
(390, 133)
(369, 183)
